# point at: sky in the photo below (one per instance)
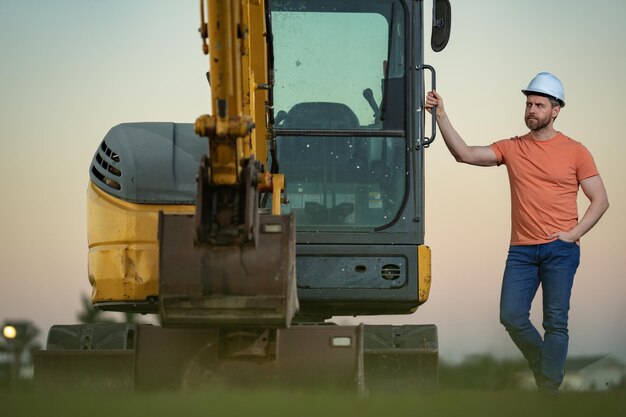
(72, 69)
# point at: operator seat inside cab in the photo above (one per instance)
(318, 163)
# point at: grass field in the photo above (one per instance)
(297, 403)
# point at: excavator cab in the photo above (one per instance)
(349, 127)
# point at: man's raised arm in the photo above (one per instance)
(473, 155)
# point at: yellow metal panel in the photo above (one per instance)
(258, 67)
(278, 186)
(124, 272)
(123, 246)
(224, 168)
(247, 75)
(424, 272)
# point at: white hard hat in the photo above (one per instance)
(546, 84)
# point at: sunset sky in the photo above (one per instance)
(72, 69)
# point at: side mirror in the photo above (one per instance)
(442, 20)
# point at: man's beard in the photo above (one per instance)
(535, 124)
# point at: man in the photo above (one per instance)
(545, 170)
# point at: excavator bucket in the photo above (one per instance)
(232, 285)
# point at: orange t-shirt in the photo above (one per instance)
(544, 177)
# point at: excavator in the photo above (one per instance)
(299, 199)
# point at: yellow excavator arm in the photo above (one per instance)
(235, 38)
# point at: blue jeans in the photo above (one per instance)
(552, 265)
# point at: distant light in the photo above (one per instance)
(9, 332)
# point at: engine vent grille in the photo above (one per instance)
(390, 272)
(104, 167)
(109, 152)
